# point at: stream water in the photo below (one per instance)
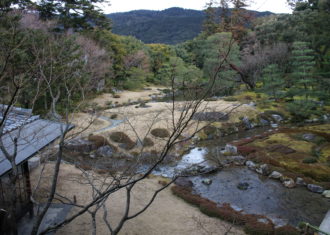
(263, 196)
(112, 124)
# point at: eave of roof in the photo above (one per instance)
(31, 138)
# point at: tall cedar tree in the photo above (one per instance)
(210, 24)
(240, 19)
(76, 14)
(219, 18)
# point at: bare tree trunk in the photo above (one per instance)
(52, 112)
(11, 213)
(39, 217)
(93, 223)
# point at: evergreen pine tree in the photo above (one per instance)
(273, 82)
(302, 77)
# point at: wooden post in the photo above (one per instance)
(28, 187)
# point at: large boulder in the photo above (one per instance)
(263, 169)
(80, 145)
(243, 186)
(263, 122)
(315, 188)
(251, 165)
(275, 175)
(289, 183)
(193, 170)
(231, 149)
(184, 182)
(278, 118)
(326, 194)
(105, 151)
(211, 116)
(247, 123)
(208, 169)
(308, 136)
(207, 181)
(238, 160)
(300, 181)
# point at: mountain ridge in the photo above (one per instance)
(169, 26)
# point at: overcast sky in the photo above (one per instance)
(277, 6)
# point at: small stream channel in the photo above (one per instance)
(264, 196)
(112, 124)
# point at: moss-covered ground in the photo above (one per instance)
(289, 152)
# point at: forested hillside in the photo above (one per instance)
(170, 26)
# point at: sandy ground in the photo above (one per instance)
(167, 215)
(86, 123)
(126, 96)
(141, 120)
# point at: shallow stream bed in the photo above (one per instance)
(263, 196)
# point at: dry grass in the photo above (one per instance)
(167, 215)
(126, 97)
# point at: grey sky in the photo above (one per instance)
(277, 6)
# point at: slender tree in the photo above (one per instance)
(273, 81)
(211, 24)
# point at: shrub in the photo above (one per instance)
(225, 212)
(147, 142)
(166, 91)
(113, 116)
(109, 103)
(162, 182)
(102, 171)
(186, 195)
(258, 228)
(160, 132)
(230, 99)
(119, 137)
(210, 130)
(211, 99)
(98, 140)
(309, 160)
(122, 138)
(301, 110)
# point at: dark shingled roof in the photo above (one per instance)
(32, 133)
